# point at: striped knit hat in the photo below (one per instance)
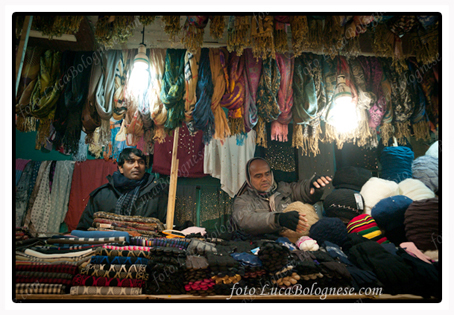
(365, 226)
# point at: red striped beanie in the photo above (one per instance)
(365, 225)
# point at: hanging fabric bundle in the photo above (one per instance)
(29, 77)
(252, 71)
(300, 33)
(105, 94)
(425, 44)
(429, 85)
(383, 42)
(191, 70)
(309, 103)
(238, 33)
(262, 37)
(172, 89)
(280, 33)
(119, 108)
(315, 34)
(217, 26)
(233, 99)
(45, 94)
(358, 25)
(147, 19)
(419, 119)
(66, 24)
(123, 27)
(267, 92)
(399, 26)
(104, 30)
(332, 36)
(387, 129)
(171, 26)
(157, 109)
(279, 127)
(221, 126)
(373, 75)
(193, 31)
(203, 115)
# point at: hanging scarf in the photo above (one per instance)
(233, 99)
(267, 105)
(41, 205)
(29, 77)
(280, 36)
(399, 26)
(105, 94)
(248, 185)
(300, 33)
(252, 71)
(238, 33)
(315, 34)
(425, 44)
(279, 128)
(45, 94)
(171, 26)
(129, 189)
(387, 129)
(429, 85)
(191, 70)
(172, 89)
(203, 115)
(22, 192)
(332, 36)
(119, 108)
(309, 102)
(262, 37)
(193, 31)
(157, 109)
(221, 126)
(217, 26)
(419, 119)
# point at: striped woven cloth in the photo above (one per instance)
(90, 290)
(40, 288)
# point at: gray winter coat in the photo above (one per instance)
(252, 212)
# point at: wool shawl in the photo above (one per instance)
(221, 126)
(252, 72)
(203, 115)
(94, 121)
(157, 109)
(279, 128)
(84, 280)
(386, 128)
(233, 99)
(119, 108)
(172, 89)
(191, 70)
(267, 105)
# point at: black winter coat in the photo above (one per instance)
(152, 201)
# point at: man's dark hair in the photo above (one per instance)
(126, 155)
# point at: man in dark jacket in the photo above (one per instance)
(130, 191)
(259, 205)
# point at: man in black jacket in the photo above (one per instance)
(130, 191)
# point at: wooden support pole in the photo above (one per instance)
(22, 48)
(173, 181)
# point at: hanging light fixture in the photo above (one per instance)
(141, 59)
(139, 79)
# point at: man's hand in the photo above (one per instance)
(293, 220)
(319, 182)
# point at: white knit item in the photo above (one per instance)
(433, 150)
(415, 189)
(376, 189)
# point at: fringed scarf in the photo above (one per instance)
(203, 115)
(400, 25)
(193, 31)
(419, 119)
(429, 85)
(238, 33)
(280, 35)
(332, 36)
(279, 128)
(309, 102)
(191, 70)
(383, 41)
(171, 26)
(387, 129)
(425, 44)
(119, 109)
(45, 94)
(233, 99)
(105, 94)
(217, 26)
(157, 109)
(221, 126)
(172, 89)
(300, 33)
(315, 35)
(29, 77)
(267, 92)
(262, 37)
(252, 71)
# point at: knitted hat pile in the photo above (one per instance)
(344, 204)
(329, 229)
(376, 189)
(396, 163)
(425, 169)
(421, 224)
(389, 214)
(366, 226)
(351, 177)
(415, 189)
(310, 215)
(433, 150)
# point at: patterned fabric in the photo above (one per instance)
(419, 119)
(129, 189)
(118, 260)
(221, 126)
(124, 253)
(400, 25)
(172, 89)
(119, 108)
(366, 226)
(176, 242)
(69, 268)
(233, 99)
(137, 268)
(41, 207)
(36, 180)
(122, 248)
(21, 279)
(88, 290)
(157, 109)
(152, 227)
(83, 280)
(117, 217)
(252, 72)
(115, 274)
(22, 193)
(203, 114)
(429, 85)
(191, 70)
(267, 105)
(49, 275)
(279, 128)
(84, 240)
(40, 288)
(33, 253)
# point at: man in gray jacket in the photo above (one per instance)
(259, 205)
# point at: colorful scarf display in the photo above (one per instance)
(252, 72)
(300, 32)
(233, 99)
(238, 33)
(203, 115)
(83, 280)
(193, 31)
(221, 126)
(172, 89)
(157, 109)
(262, 39)
(279, 128)
(91, 290)
(191, 77)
